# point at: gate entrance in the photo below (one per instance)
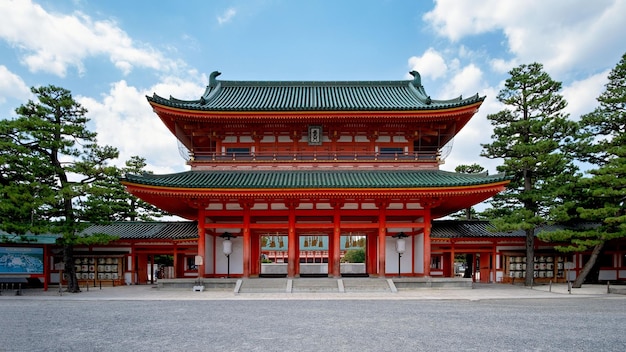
(313, 256)
(353, 255)
(274, 257)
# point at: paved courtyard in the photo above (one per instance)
(488, 318)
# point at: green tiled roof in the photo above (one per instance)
(315, 96)
(125, 230)
(480, 228)
(6, 237)
(301, 179)
(151, 230)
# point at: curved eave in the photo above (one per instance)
(330, 113)
(170, 115)
(443, 200)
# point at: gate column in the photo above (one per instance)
(335, 255)
(382, 237)
(201, 244)
(247, 241)
(292, 256)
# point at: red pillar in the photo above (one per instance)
(336, 246)
(246, 240)
(293, 258)
(372, 258)
(427, 225)
(494, 264)
(255, 254)
(46, 267)
(382, 237)
(201, 243)
(452, 256)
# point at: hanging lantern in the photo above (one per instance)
(400, 242)
(400, 245)
(227, 245)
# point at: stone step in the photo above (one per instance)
(267, 285)
(315, 285)
(366, 285)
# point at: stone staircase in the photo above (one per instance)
(313, 285)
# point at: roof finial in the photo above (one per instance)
(417, 79)
(213, 78)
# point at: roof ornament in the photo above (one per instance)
(417, 83)
(213, 78)
(417, 79)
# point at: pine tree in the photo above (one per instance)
(108, 199)
(599, 198)
(468, 213)
(49, 160)
(531, 135)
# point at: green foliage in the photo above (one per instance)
(356, 255)
(108, 200)
(50, 159)
(469, 169)
(600, 197)
(605, 127)
(531, 136)
(468, 213)
(534, 137)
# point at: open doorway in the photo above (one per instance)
(313, 255)
(158, 266)
(274, 257)
(353, 255)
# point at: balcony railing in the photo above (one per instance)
(290, 157)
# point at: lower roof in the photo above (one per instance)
(182, 193)
(183, 230)
(307, 179)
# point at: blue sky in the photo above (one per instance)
(112, 53)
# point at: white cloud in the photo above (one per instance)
(582, 95)
(50, 42)
(12, 85)
(561, 34)
(431, 64)
(467, 81)
(503, 66)
(227, 16)
(466, 146)
(123, 119)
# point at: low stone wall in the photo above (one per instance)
(430, 282)
(274, 268)
(208, 283)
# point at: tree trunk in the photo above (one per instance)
(578, 283)
(530, 257)
(70, 268)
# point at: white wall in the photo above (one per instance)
(419, 253)
(236, 258)
(391, 256)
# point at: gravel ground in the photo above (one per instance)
(576, 324)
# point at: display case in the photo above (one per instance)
(546, 268)
(99, 270)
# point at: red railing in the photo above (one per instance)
(290, 157)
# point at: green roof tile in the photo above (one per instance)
(301, 179)
(315, 96)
